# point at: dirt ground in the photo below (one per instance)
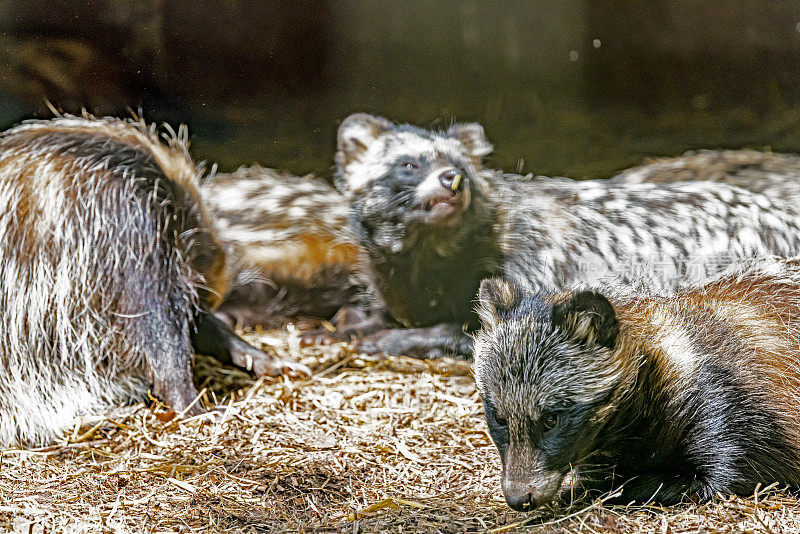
(365, 445)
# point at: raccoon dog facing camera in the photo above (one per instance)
(667, 396)
(109, 265)
(433, 224)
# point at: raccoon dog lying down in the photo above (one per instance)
(290, 252)
(686, 395)
(433, 224)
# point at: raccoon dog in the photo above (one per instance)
(667, 396)
(109, 265)
(433, 224)
(290, 250)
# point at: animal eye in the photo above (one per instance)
(549, 421)
(409, 165)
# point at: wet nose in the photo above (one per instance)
(520, 502)
(451, 179)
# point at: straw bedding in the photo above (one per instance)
(365, 445)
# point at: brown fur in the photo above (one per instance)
(109, 265)
(697, 393)
(291, 252)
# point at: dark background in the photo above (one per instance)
(576, 88)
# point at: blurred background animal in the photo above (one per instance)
(292, 254)
(768, 173)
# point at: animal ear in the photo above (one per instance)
(471, 136)
(495, 297)
(587, 317)
(356, 134)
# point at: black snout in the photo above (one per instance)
(451, 179)
(522, 502)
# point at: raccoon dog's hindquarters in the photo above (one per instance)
(109, 265)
